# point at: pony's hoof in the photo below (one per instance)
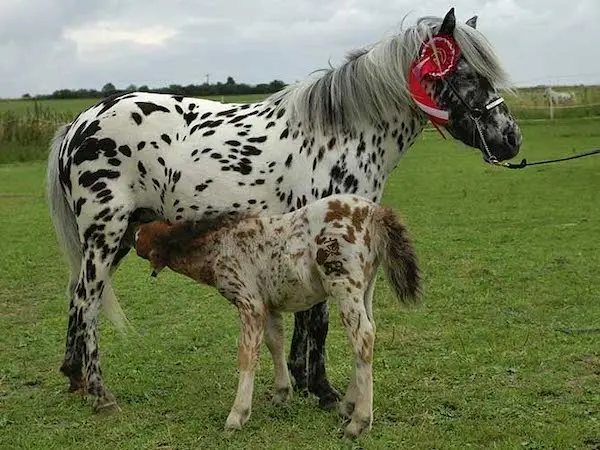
(357, 427)
(106, 406)
(330, 402)
(283, 395)
(77, 386)
(329, 397)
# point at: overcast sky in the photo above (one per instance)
(51, 44)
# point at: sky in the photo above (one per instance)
(47, 45)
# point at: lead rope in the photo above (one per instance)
(524, 163)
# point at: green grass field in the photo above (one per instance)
(509, 259)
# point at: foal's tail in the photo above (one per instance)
(397, 255)
(65, 225)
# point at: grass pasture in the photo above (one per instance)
(510, 258)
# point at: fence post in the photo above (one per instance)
(551, 107)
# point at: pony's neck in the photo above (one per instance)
(391, 139)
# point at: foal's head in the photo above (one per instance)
(161, 242)
(149, 239)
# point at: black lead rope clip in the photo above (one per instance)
(524, 162)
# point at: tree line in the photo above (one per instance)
(230, 87)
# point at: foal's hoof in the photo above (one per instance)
(236, 420)
(283, 395)
(346, 409)
(356, 427)
(106, 406)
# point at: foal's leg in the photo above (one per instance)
(361, 335)
(348, 403)
(253, 317)
(275, 344)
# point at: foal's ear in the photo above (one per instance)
(449, 23)
(156, 262)
(472, 22)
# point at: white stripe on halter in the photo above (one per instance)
(495, 103)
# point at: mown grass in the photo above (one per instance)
(509, 259)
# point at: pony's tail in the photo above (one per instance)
(65, 225)
(61, 212)
(397, 255)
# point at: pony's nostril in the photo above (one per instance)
(512, 139)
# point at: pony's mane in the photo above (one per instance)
(184, 237)
(373, 82)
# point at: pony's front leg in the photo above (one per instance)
(253, 317)
(275, 344)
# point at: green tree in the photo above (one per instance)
(108, 89)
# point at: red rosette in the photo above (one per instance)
(438, 57)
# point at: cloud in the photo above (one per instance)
(51, 44)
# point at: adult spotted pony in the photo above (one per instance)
(143, 156)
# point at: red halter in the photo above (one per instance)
(437, 59)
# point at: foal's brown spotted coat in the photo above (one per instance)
(288, 263)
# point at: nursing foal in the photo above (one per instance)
(288, 263)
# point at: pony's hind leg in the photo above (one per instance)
(308, 345)
(73, 360)
(100, 243)
(253, 317)
(275, 344)
(318, 384)
(298, 351)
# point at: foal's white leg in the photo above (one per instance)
(275, 344)
(361, 335)
(349, 400)
(253, 317)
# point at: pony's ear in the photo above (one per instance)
(472, 22)
(449, 23)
